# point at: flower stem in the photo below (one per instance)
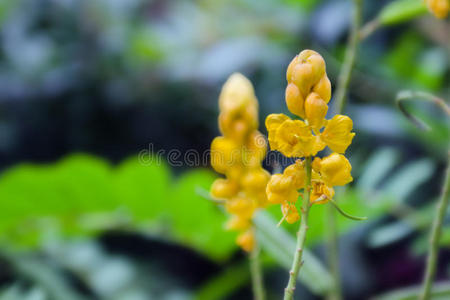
(301, 235)
(435, 236)
(256, 272)
(343, 83)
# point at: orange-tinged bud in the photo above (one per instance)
(294, 100)
(246, 240)
(318, 66)
(335, 170)
(316, 110)
(323, 88)
(224, 189)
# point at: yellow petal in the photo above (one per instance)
(273, 121)
(241, 206)
(319, 188)
(337, 133)
(316, 110)
(296, 172)
(335, 170)
(295, 139)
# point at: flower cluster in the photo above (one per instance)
(439, 8)
(307, 95)
(238, 154)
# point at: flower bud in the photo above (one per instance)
(224, 189)
(224, 154)
(316, 110)
(294, 100)
(303, 77)
(323, 88)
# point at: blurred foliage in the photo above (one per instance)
(77, 193)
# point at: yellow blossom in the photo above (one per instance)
(337, 133)
(238, 154)
(273, 121)
(335, 170)
(290, 212)
(295, 139)
(440, 8)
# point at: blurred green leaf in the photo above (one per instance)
(400, 11)
(408, 178)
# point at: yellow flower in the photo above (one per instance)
(238, 154)
(337, 133)
(316, 110)
(273, 121)
(439, 8)
(295, 139)
(290, 212)
(335, 170)
(319, 188)
(246, 240)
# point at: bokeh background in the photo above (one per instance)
(92, 93)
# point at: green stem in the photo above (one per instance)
(301, 235)
(343, 83)
(257, 278)
(435, 237)
(350, 57)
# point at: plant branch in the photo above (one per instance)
(301, 235)
(435, 236)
